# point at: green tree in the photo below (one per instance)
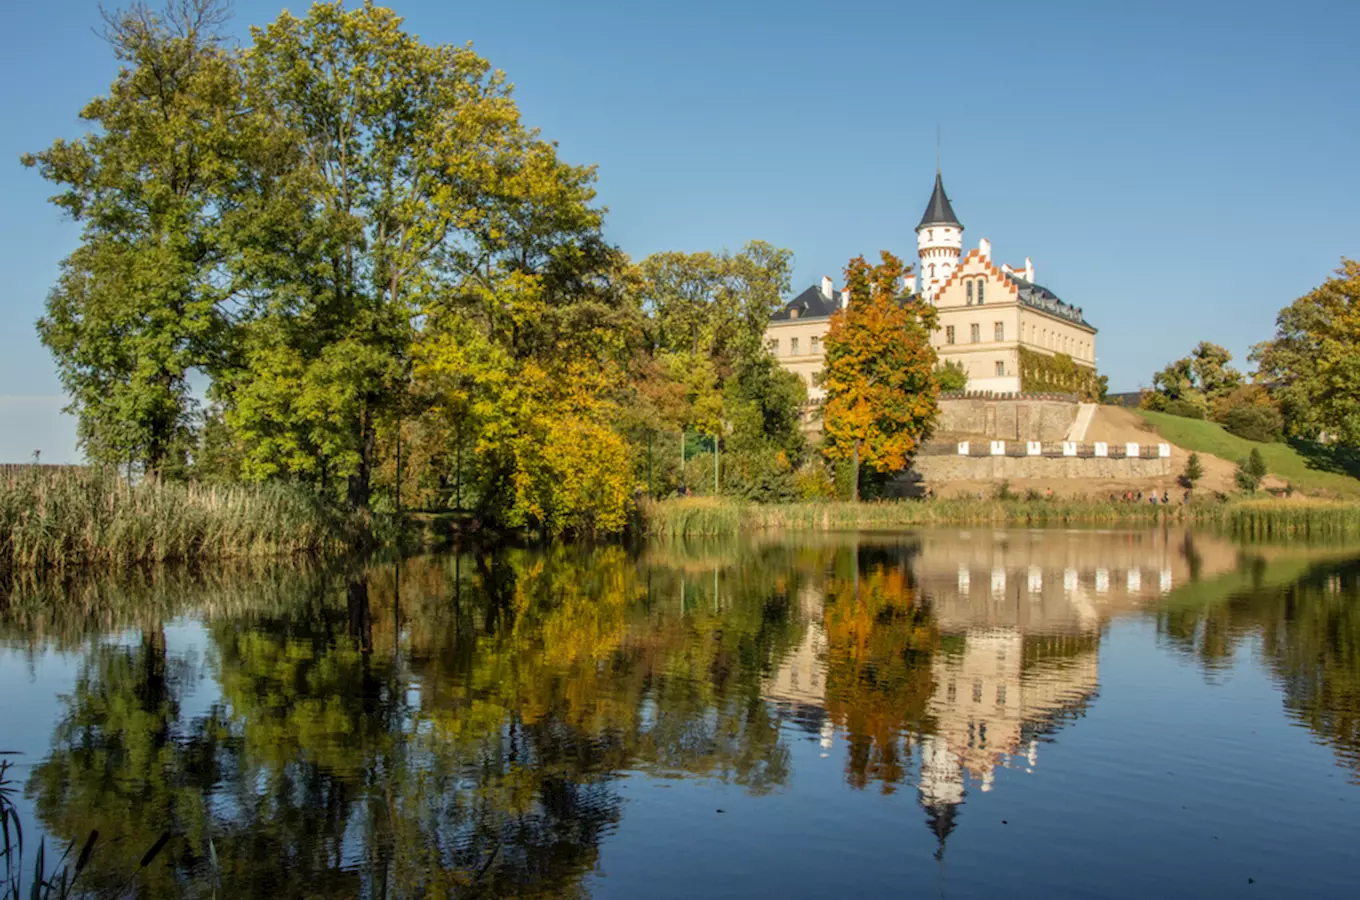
(1250, 471)
(384, 155)
(1193, 382)
(951, 376)
(1311, 365)
(881, 392)
(138, 305)
(1194, 470)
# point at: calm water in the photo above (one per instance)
(943, 713)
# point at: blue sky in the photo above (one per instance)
(1179, 170)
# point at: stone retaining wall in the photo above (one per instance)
(1008, 418)
(940, 469)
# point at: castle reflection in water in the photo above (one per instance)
(1019, 616)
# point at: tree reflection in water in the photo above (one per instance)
(456, 725)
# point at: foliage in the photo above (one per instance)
(881, 392)
(1181, 406)
(136, 306)
(1250, 471)
(1059, 373)
(1311, 366)
(1194, 470)
(1193, 381)
(1255, 423)
(951, 376)
(1311, 468)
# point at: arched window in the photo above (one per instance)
(981, 283)
(932, 270)
(930, 234)
(970, 293)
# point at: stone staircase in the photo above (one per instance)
(1085, 414)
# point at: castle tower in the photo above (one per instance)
(939, 240)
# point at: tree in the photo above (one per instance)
(1311, 365)
(1194, 470)
(951, 376)
(1250, 471)
(385, 156)
(137, 306)
(881, 392)
(1187, 386)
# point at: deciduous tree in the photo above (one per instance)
(881, 390)
(1312, 366)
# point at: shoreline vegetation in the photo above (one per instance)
(1253, 518)
(91, 517)
(73, 518)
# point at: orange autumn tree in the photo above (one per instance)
(881, 390)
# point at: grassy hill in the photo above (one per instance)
(1312, 468)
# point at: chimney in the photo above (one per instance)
(845, 297)
(827, 291)
(1029, 269)
(985, 249)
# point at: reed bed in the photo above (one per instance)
(1328, 520)
(74, 517)
(1257, 519)
(706, 516)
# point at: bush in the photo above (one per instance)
(1254, 423)
(814, 482)
(1194, 471)
(1186, 409)
(1250, 471)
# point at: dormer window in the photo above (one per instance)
(793, 313)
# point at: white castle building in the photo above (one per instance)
(994, 319)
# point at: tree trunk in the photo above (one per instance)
(360, 482)
(854, 474)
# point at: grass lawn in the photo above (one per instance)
(1311, 468)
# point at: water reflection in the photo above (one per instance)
(462, 724)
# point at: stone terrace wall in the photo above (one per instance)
(1008, 417)
(942, 468)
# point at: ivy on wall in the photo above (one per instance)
(1058, 373)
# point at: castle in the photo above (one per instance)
(994, 319)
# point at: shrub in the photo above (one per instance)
(814, 482)
(1194, 471)
(1255, 423)
(1186, 409)
(1250, 471)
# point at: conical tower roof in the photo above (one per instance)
(938, 211)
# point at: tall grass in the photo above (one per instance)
(72, 517)
(1252, 518)
(1269, 519)
(707, 516)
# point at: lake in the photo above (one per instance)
(955, 713)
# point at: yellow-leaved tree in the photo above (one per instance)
(881, 388)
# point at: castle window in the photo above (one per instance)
(815, 341)
(970, 293)
(982, 282)
(932, 270)
(773, 345)
(1000, 368)
(949, 334)
(975, 333)
(793, 346)
(1000, 331)
(930, 234)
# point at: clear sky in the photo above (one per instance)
(1180, 170)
